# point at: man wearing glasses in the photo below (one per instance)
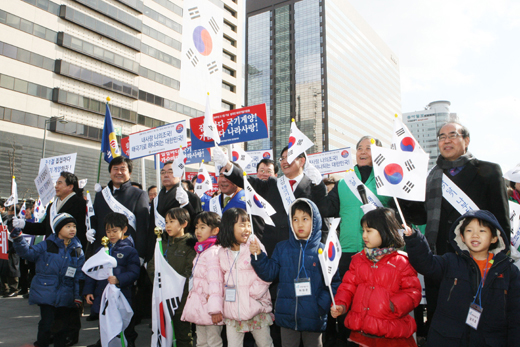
(172, 194)
(266, 168)
(481, 183)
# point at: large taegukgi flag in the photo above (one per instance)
(403, 139)
(203, 182)
(400, 174)
(256, 205)
(201, 58)
(168, 287)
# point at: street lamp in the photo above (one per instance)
(48, 121)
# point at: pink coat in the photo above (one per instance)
(252, 297)
(207, 295)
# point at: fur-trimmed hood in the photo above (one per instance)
(456, 240)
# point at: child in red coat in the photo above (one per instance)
(381, 287)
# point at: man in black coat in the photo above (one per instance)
(133, 199)
(69, 199)
(172, 194)
(481, 181)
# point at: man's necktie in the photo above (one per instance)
(292, 183)
(226, 200)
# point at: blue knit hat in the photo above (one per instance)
(61, 220)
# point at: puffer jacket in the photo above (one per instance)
(304, 313)
(368, 288)
(50, 286)
(127, 272)
(459, 277)
(207, 295)
(252, 294)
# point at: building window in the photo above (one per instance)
(228, 71)
(230, 11)
(230, 26)
(227, 106)
(230, 41)
(228, 86)
(230, 56)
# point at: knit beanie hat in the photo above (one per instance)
(61, 220)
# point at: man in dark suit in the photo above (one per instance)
(481, 181)
(123, 195)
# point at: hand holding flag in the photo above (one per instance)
(298, 143)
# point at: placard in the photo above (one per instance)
(240, 125)
(193, 156)
(4, 247)
(58, 164)
(338, 160)
(256, 156)
(156, 140)
(45, 185)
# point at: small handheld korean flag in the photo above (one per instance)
(400, 174)
(209, 127)
(298, 143)
(39, 211)
(99, 266)
(239, 156)
(115, 316)
(329, 258)
(13, 199)
(90, 211)
(256, 205)
(168, 287)
(513, 174)
(22, 212)
(179, 164)
(403, 139)
(203, 182)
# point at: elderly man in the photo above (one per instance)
(120, 196)
(481, 182)
(152, 193)
(172, 194)
(230, 196)
(266, 168)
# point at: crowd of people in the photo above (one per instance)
(263, 282)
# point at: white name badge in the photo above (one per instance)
(302, 286)
(71, 271)
(190, 284)
(474, 316)
(231, 294)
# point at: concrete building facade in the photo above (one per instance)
(62, 58)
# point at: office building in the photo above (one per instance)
(319, 62)
(60, 59)
(425, 124)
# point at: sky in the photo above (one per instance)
(466, 52)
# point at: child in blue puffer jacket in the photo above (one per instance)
(55, 287)
(296, 263)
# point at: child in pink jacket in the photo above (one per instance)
(247, 302)
(204, 303)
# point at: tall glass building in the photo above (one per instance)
(320, 63)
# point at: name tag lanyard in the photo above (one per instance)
(475, 310)
(303, 263)
(190, 286)
(230, 291)
(231, 268)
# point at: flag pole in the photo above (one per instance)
(158, 232)
(249, 212)
(12, 186)
(399, 209)
(322, 259)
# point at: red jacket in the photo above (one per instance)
(369, 287)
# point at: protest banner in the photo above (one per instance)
(66, 162)
(156, 140)
(256, 156)
(45, 185)
(240, 125)
(190, 175)
(193, 156)
(4, 248)
(338, 160)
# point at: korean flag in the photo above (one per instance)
(403, 139)
(203, 182)
(400, 174)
